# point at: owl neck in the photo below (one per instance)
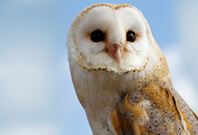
(102, 90)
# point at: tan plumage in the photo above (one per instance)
(156, 109)
(124, 84)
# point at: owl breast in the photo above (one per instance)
(100, 91)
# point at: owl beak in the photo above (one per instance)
(116, 51)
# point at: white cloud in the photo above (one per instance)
(187, 20)
(173, 56)
(187, 91)
(187, 15)
(31, 129)
(181, 82)
(24, 84)
(28, 84)
(26, 87)
(26, 76)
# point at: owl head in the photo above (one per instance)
(113, 38)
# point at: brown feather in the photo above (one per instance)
(154, 110)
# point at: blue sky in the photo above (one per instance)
(36, 92)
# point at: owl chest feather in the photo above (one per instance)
(99, 92)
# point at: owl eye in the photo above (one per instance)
(97, 36)
(130, 36)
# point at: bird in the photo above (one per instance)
(121, 76)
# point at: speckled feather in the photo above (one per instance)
(155, 110)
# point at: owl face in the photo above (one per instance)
(110, 38)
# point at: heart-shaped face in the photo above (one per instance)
(114, 38)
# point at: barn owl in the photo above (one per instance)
(121, 76)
